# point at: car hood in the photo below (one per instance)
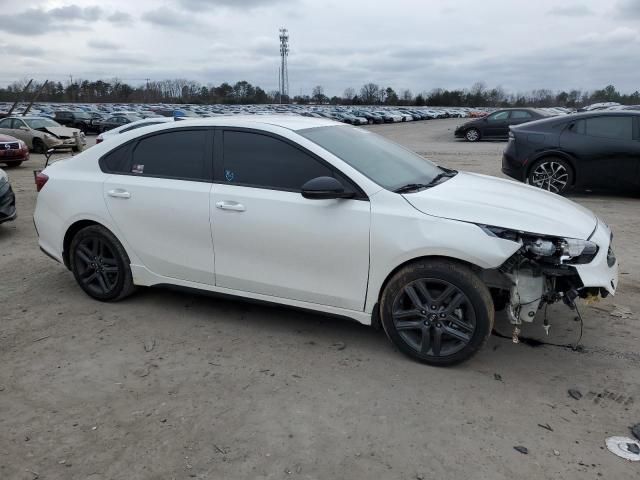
(61, 132)
(486, 200)
(7, 138)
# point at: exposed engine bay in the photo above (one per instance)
(541, 272)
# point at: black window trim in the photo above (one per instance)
(635, 126)
(131, 145)
(218, 167)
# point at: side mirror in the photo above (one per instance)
(23, 128)
(324, 188)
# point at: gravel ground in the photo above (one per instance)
(171, 385)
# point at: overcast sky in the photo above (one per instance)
(415, 44)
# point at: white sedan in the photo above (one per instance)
(323, 216)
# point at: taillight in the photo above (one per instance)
(98, 140)
(41, 180)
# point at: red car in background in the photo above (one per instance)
(13, 151)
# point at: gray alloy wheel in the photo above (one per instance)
(472, 135)
(434, 317)
(100, 264)
(437, 311)
(551, 174)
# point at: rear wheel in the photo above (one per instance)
(437, 311)
(39, 146)
(552, 174)
(100, 264)
(472, 135)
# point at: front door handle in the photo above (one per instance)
(119, 193)
(227, 205)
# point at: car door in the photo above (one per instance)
(605, 150)
(496, 125)
(271, 240)
(157, 194)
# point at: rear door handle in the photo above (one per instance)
(227, 205)
(119, 193)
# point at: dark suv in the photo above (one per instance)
(80, 120)
(594, 150)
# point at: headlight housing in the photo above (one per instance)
(548, 249)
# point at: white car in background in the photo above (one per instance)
(132, 126)
(322, 216)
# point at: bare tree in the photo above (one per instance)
(318, 95)
(349, 93)
(370, 93)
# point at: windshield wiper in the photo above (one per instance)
(412, 187)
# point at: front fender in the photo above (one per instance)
(397, 238)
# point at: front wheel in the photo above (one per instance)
(14, 164)
(551, 174)
(100, 264)
(437, 312)
(472, 135)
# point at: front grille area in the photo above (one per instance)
(9, 146)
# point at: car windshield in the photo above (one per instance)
(386, 163)
(82, 115)
(37, 123)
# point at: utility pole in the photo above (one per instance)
(35, 97)
(283, 73)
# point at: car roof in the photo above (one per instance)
(290, 122)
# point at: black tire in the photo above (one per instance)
(472, 135)
(553, 174)
(14, 164)
(39, 146)
(100, 264)
(453, 317)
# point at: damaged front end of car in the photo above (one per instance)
(547, 269)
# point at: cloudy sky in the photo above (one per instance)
(415, 44)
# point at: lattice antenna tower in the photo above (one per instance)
(283, 73)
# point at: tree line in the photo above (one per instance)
(243, 92)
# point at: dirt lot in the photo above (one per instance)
(171, 385)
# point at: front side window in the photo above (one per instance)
(6, 123)
(175, 154)
(386, 163)
(498, 116)
(620, 128)
(257, 160)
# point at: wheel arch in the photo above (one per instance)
(78, 225)
(375, 314)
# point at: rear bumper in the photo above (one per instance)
(513, 168)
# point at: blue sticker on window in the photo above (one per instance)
(229, 175)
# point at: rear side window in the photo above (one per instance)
(620, 128)
(175, 154)
(520, 114)
(262, 161)
(116, 161)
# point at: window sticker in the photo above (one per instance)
(137, 169)
(229, 175)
